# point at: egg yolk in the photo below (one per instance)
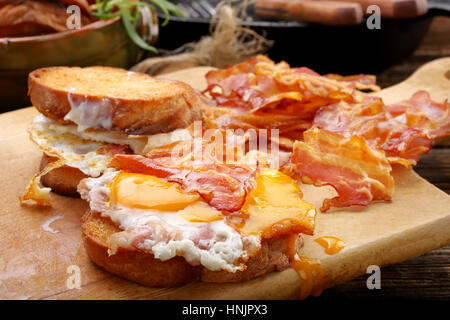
(275, 207)
(142, 191)
(200, 212)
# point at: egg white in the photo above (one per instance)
(79, 149)
(73, 150)
(220, 253)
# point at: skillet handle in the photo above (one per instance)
(328, 12)
(395, 9)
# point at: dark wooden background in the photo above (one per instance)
(427, 276)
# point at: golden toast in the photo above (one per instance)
(113, 99)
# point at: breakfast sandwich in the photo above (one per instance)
(168, 207)
(166, 219)
(87, 115)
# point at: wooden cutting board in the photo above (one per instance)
(34, 263)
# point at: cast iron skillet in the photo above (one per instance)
(344, 50)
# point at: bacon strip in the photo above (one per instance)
(223, 185)
(357, 172)
(261, 85)
(359, 81)
(421, 113)
(259, 93)
(404, 130)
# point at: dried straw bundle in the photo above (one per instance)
(229, 43)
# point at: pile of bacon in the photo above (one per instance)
(339, 135)
(261, 94)
(332, 132)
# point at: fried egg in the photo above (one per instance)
(84, 149)
(88, 150)
(158, 217)
(73, 150)
(161, 218)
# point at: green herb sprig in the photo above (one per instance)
(129, 11)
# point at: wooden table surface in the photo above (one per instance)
(427, 276)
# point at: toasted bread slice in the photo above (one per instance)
(133, 265)
(143, 268)
(63, 180)
(113, 99)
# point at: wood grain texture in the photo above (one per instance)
(423, 277)
(33, 263)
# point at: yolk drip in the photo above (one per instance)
(332, 245)
(309, 270)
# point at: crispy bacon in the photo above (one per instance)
(403, 130)
(421, 113)
(359, 81)
(223, 185)
(357, 172)
(218, 117)
(261, 94)
(141, 164)
(260, 85)
(289, 127)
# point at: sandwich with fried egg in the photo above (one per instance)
(89, 114)
(157, 217)
(164, 224)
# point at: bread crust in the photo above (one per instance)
(63, 180)
(158, 106)
(132, 265)
(272, 256)
(143, 268)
